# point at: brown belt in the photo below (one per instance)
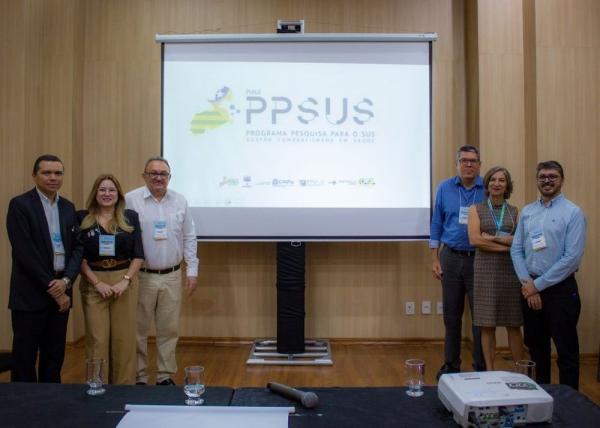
(107, 264)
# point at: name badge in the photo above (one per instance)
(538, 241)
(57, 243)
(107, 245)
(463, 215)
(160, 230)
(501, 233)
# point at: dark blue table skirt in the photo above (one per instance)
(53, 405)
(25, 405)
(391, 407)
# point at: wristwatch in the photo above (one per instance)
(67, 282)
(127, 277)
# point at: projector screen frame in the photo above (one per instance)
(293, 37)
(307, 37)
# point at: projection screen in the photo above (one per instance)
(300, 137)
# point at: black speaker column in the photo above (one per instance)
(290, 297)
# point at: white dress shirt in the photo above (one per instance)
(180, 242)
(53, 219)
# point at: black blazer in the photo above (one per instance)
(32, 252)
(128, 246)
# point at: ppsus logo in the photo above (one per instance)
(309, 110)
(222, 111)
(334, 111)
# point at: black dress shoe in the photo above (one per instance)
(140, 383)
(166, 382)
(445, 370)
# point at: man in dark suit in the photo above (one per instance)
(46, 259)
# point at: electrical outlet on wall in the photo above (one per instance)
(410, 308)
(426, 307)
(439, 308)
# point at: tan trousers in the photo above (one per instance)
(159, 300)
(110, 326)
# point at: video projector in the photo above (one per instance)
(494, 399)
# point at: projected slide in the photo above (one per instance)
(302, 140)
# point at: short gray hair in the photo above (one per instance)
(159, 159)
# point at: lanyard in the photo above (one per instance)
(460, 198)
(497, 221)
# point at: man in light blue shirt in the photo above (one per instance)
(546, 253)
(453, 265)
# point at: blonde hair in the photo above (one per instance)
(119, 221)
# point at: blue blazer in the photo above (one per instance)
(32, 252)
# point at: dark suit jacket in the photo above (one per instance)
(32, 252)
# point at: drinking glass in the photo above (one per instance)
(415, 377)
(194, 385)
(96, 372)
(526, 367)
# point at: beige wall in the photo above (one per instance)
(82, 79)
(568, 125)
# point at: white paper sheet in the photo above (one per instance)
(209, 416)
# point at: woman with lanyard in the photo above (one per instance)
(497, 290)
(112, 256)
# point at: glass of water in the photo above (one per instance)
(194, 385)
(96, 372)
(415, 377)
(526, 367)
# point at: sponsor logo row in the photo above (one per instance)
(247, 182)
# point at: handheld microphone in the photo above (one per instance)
(307, 399)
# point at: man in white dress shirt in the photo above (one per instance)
(169, 237)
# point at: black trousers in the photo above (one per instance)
(42, 332)
(457, 281)
(557, 320)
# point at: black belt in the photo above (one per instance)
(59, 274)
(466, 253)
(162, 271)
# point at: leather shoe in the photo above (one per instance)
(166, 382)
(446, 369)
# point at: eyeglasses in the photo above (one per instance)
(162, 174)
(468, 161)
(551, 178)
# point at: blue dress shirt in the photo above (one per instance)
(563, 225)
(449, 197)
